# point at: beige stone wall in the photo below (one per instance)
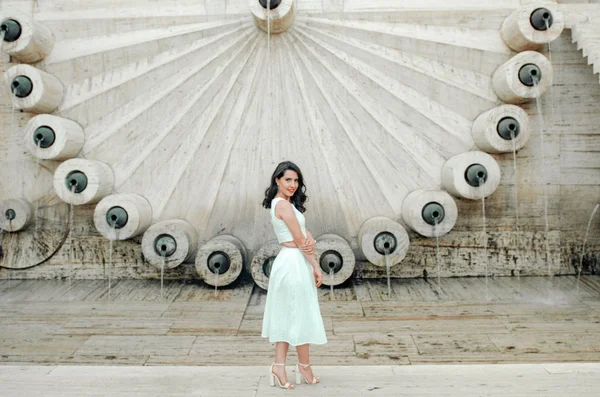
(329, 115)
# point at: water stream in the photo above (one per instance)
(37, 177)
(8, 278)
(269, 85)
(110, 253)
(1, 247)
(538, 102)
(550, 60)
(216, 281)
(437, 252)
(517, 234)
(71, 227)
(331, 278)
(587, 231)
(387, 274)
(484, 233)
(162, 271)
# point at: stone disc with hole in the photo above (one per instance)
(224, 255)
(138, 213)
(175, 239)
(339, 251)
(519, 34)
(487, 126)
(67, 142)
(15, 214)
(262, 261)
(281, 17)
(416, 202)
(99, 181)
(47, 92)
(455, 170)
(507, 84)
(35, 42)
(370, 232)
(36, 243)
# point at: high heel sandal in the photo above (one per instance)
(274, 377)
(300, 375)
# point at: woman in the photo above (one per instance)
(292, 315)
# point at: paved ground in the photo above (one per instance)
(62, 332)
(531, 320)
(514, 380)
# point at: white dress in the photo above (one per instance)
(292, 311)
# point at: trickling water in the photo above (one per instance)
(110, 252)
(216, 282)
(107, 268)
(387, 273)
(37, 175)
(12, 113)
(269, 93)
(13, 130)
(514, 145)
(483, 223)
(1, 233)
(538, 101)
(71, 227)
(437, 251)
(331, 278)
(549, 60)
(8, 278)
(585, 241)
(162, 271)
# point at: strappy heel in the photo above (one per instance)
(273, 378)
(300, 375)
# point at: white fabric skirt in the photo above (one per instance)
(292, 311)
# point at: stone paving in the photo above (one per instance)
(56, 328)
(531, 320)
(508, 380)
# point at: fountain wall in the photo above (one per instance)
(136, 78)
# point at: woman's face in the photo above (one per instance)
(288, 183)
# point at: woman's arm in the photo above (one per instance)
(309, 247)
(286, 213)
(284, 210)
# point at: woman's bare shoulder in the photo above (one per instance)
(282, 203)
(283, 207)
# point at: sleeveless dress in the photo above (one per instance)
(292, 311)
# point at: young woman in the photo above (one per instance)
(292, 315)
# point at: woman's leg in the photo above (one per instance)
(304, 358)
(281, 350)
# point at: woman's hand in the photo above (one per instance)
(309, 247)
(318, 276)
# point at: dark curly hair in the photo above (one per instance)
(299, 197)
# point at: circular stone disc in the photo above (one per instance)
(35, 244)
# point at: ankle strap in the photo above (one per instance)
(279, 365)
(304, 365)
